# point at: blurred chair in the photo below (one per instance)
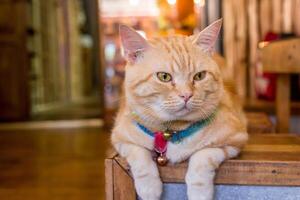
(283, 59)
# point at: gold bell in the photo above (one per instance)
(167, 135)
(162, 160)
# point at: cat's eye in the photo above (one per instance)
(164, 76)
(200, 76)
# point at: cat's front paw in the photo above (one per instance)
(149, 188)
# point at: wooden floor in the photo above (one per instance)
(53, 164)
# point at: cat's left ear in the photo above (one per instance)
(133, 43)
(207, 38)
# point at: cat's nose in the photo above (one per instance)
(186, 96)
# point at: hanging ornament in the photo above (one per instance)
(160, 147)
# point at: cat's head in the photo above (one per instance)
(172, 78)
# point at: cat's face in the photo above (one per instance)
(172, 78)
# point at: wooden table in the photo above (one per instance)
(282, 58)
(267, 160)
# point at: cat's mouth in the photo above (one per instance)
(183, 110)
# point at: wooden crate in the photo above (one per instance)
(267, 160)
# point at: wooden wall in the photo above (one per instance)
(245, 24)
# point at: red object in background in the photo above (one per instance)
(266, 82)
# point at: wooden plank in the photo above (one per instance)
(277, 15)
(296, 17)
(287, 16)
(265, 15)
(109, 178)
(253, 41)
(283, 102)
(266, 160)
(123, 188)
(229, 35)
(266, 173)
(240, 49)
(281, 57)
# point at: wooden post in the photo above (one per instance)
(253, 41)
(287, 16)
(123, 184)
(296, 17)
(283, 103)
(277, 12)
(265, 17)
(109, 177)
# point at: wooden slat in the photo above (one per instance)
(229, 27)
(123, 188)
(287, 15)
(240, 49)
(267, 160)
(253, 41)
(296, 17)
(265, 17)
(283, 102)
(277, 12)
(109, 178)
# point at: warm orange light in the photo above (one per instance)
(262, 44)
(200, 3)
(171, 2)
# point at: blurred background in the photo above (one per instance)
(61, 70)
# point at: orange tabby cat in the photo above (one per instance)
(173, 83)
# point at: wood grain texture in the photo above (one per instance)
(123, 184)
(281, 57)
(271, 159)
(53, 164)
(109, 178)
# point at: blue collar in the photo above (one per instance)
(178, 136)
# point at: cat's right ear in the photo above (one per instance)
(133, 43)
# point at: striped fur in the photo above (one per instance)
(158, 106)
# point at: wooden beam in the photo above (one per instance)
(287, 15)
(253, 41)
(296, 17)
(283, 102)
(271, 159)
(281, 57)
(277, 12)
(109, 178)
